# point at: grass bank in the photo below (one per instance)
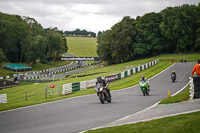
(82, 46)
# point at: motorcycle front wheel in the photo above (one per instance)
(101, 98)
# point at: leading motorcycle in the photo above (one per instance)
(144, 87)
(103, 93)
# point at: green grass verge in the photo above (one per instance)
(186, 123)
(82, 46)
(182, 96)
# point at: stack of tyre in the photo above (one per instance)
(196, 81)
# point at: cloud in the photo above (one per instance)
(93, 15)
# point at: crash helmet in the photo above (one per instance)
(198, 61)
(143, 78)
(173, 71)
(99, 79)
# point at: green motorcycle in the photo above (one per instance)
(144, 87)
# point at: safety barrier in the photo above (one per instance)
(191, 88)
(3, 98)
(71, 87)
(42, 71)
(67, 88)
(195, 87)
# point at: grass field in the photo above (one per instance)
(16, 95)
(186, 123)
(82, 46)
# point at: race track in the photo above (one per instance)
(85, 112)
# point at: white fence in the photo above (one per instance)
(67, 88)
(3, 98)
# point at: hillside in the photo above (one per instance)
(82, 46)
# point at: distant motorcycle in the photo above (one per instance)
(181, 59)
(184, 60)
(173, 77)
(144, 87)
(102, 93)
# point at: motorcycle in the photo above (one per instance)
(181, 59)
(185, 60)
(144, 87)
(173, 77)
(103, 93)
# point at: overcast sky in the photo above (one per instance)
(92, 15)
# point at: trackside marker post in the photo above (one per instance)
(169, 95)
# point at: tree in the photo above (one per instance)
(2, 56)
(148, 40)
(178, 25)
(55, 44)
(117, 42)
(36, 49)
(103, 47)
(197, 41)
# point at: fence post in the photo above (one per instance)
(26, 95)
(46, 91)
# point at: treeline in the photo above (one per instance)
(172, 30)
(79, 32)
(23, 39)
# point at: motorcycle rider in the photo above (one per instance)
(196, 68)
(173, 73)
(104, 83)
(184, 59)
(145, 80)
(181, 59)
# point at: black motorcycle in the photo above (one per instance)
(184, 60)
(173, 77)
(103, 93)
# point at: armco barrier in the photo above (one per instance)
(191, 88)
(75, 86)
(122, 75)
(91, 83)
(126, 74)
(131, 71)
(196, 81)
(67, 88)
(119, 76)
(83, 85)
(3, 98)
(71, 87)
(136, 69)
